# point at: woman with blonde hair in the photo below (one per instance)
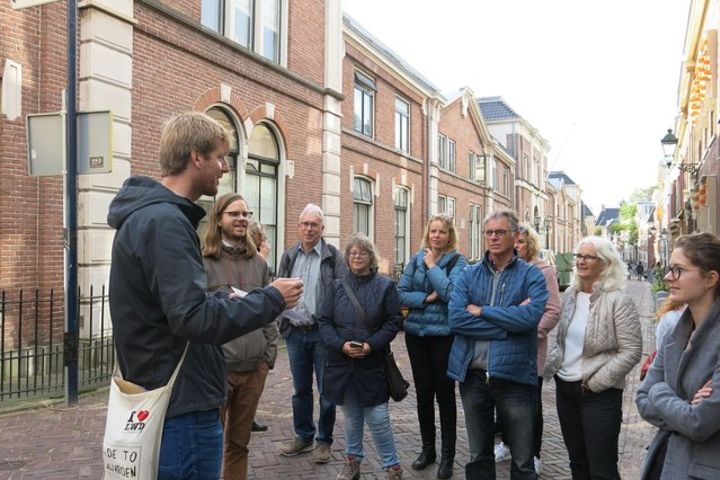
(259, 237)
(598, 342)
(425, 288)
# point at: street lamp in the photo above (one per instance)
(669, 144)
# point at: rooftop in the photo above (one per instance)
(495, 108)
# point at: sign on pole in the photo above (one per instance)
(18, 4)
(46, 143)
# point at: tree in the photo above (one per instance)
(628, 222)
(641, 195)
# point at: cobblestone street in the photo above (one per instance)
(56, 442)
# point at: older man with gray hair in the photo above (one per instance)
(494, 312)
(317, 263)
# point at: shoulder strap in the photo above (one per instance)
(451, 264)
(173, 377)
(351, 295)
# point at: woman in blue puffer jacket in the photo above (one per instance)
(425, 288)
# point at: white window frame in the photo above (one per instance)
(446, 205)
(364, 85)
(452, 155)
(442, 151)
(406, 192)
(402, 126)
(256, 40)
(475, 229)
(370, 202)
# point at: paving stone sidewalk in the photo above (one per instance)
(57, 442)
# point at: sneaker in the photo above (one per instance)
(351, 470)
(394, 473)
(321, 454)
(297, 446)
(502, 453)
(538, 466)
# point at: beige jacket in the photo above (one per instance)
(613, 341)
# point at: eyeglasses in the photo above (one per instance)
(496, 233)
(360, 254)
(675, 271)
(585, 258)
(235, 215)
(312, 225)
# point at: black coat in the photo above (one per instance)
(158, 299)
(339, 323)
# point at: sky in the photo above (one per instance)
(597, 78)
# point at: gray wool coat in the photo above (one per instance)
(663, 399)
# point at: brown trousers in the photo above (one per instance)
(244, 390)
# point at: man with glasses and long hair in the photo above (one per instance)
(494, 312)
(233, 264)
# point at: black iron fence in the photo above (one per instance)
(32, 346)
(33, 350)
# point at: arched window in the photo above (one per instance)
(261, 182)
(228, 182)
(362, 207)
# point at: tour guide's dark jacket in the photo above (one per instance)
(158, 298)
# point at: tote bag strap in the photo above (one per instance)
(173, 377)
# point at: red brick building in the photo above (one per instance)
(320, 110)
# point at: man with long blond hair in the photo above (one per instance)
(158, 299)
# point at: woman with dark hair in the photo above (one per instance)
(680, 394)
(359, 318)
(234, 265)
(425, 288)
(598, 343)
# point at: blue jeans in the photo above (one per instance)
(378, 419)
(307, 352)
(516, 404)
(192, 447)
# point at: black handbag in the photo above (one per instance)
(397, 385)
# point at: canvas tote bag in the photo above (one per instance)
(133, 431)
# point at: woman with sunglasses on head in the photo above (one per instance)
(598, 343)
(680, 394)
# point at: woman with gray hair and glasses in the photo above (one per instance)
(359, 318)
(598, 343)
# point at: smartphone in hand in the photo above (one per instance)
(356, 344)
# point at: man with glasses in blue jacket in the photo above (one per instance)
(494, 312)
